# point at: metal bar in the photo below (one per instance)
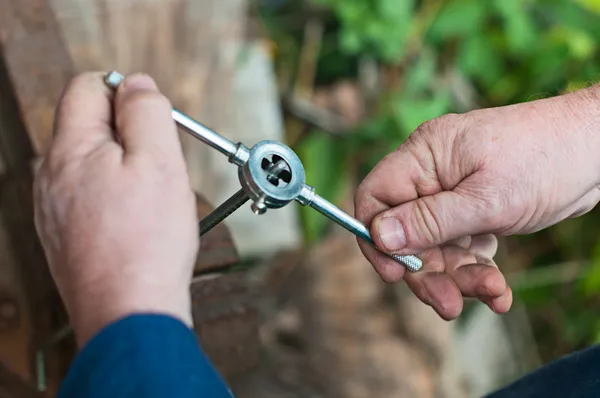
(204, 134)
(193, 127)
(236, 201)
(351, 224)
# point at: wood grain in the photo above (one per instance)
(226, 320)
(37, 62)
(175, 42)
(188, 46)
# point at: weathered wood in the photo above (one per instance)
(187, 46)
(26, 277)
(2, 166)
(42, 303)
(226, 322)
(13, 386)
(37, 62)
(197, 52)
(223, 309)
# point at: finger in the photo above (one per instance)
(83, 116)
(480, 280)
(444, 295)
(484, 245)
(464, 242)
(435, 288)
(144, 119)
(424, 165)
(502, 304)
(430, 221)
(475, 275)
(387, 269)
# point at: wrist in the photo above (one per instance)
(583, 110)
(94, 309)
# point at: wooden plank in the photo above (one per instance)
(13, 386)
(2, 165)
(37, 62)
(197, 52)
(226, 322)
(25, 275)
(185, 45)
(15, 349)
(42, 303)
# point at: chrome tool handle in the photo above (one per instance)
(236, 153)
(310, 198)
(272, 176)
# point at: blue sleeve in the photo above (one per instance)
(147, 356)
(574, 376)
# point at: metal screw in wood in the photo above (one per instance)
(271, 176)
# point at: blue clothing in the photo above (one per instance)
(150, 356)
(573, 376)
(156, 356)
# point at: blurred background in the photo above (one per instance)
(344, 82)
(356, 77)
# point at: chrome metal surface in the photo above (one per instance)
(273, 176)
(234, 152)
(329, 210)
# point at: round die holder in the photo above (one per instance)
(272, 177)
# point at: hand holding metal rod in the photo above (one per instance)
(272, 176)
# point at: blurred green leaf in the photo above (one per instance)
(323, 157)
(521, 34)
(411, 113)
(395, 10)
(592, 5)
(591, 282)
(351, 41)
(596, 339)
(480, 60)
(536, 297)
(459, 18)
(422, 74)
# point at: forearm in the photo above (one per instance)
(582, 131)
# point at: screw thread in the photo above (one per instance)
(413, 263)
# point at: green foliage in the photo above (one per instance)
(591, 283)
(323, 157)
(504, 51)
(376, 27)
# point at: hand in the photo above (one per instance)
(460, 179)
(113, 205)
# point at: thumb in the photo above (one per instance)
(143, 118)
(428, 222)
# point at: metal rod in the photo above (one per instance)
(236, 201)
(204, 134)
(193, 127)
(351, 224)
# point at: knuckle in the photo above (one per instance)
(148, 101)
(359, 197)
(428, 222)
(444, 123)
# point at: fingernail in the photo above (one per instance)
(391, 233)
(139, 81)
